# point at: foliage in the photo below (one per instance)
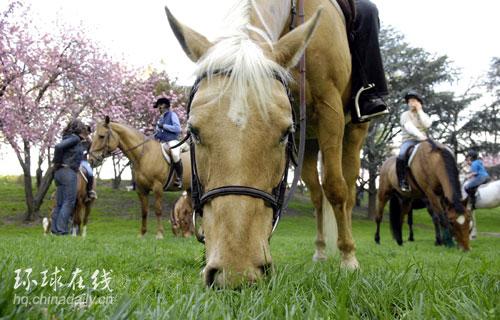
(49, 78)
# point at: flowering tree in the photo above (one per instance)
(48, 79)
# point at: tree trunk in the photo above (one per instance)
(372, 195)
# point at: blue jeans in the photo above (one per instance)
(66, 183)
(87, 166)
(475, 182)
(404, 147)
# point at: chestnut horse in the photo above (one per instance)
(150, 167)
(434, 175)
(181, 216)
(81, 196)
(240, 121)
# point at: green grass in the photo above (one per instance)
(153, 279)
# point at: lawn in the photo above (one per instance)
(159, 279)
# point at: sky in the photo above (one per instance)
(138, 32)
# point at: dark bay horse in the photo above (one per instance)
(240, 122)
(150, 167)
(81, 203)
(434, 175)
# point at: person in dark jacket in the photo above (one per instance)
(369, 84)
(86, 144)
(67, 158)
(167, 130)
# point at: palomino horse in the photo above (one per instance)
(434, 175)
(150, 167)
(240, 122)
(487, 196)
(81, 196)
(181, 215)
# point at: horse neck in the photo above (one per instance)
(271, 16)
(449, 183)
(128, 139)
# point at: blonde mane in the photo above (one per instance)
(250, 74)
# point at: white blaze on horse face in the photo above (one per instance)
(461, 219)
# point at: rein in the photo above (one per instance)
(102, 156)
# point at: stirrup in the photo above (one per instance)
(404, 186)
(357, 109)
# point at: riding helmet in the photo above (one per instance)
(162, 101)
(473, 154)
(413, 94)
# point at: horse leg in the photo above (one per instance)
(76, 218)
(88, 207)
(310, 177)
(330, 134)
(405, 209)
(143, 197)
(473, 232)
(435, 220)
(158, 193)
(410, 225)
(383, 196)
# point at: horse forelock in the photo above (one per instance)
(452, 172)
(250, 74)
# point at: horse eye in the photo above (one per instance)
(285, 134)
(194, 133)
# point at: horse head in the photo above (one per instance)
(459, 222)
(240, 120)
(104, 142)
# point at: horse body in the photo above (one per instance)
(181, 216)
(240, 118)
(81, 203)
(434, 175)
(149, 166)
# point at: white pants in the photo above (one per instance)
(176, 152)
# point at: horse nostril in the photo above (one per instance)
(266, 269)
(210, 276)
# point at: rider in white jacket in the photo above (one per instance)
(414, 125)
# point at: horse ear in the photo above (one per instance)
(193, 43)
(289, 49)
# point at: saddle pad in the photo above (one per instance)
(412, 155)
(84, 173)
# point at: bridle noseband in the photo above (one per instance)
(275, 199)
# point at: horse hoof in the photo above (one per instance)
(159, 236)
(319, 257)
(349, 262)
(140, 236)
(411, 239)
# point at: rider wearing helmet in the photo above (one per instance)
(414, 125)
(167, 130)
(478, 174)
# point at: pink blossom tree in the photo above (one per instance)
(48, 79)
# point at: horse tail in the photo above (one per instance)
(395, 218)
(329, 222)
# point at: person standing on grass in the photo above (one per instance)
(68, 156)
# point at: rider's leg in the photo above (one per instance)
(367, 62)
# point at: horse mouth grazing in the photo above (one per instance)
(217, 278)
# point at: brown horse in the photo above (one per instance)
(181, 216)
(433, 175)
(240, 120)
(81, 203)
(151, 170)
